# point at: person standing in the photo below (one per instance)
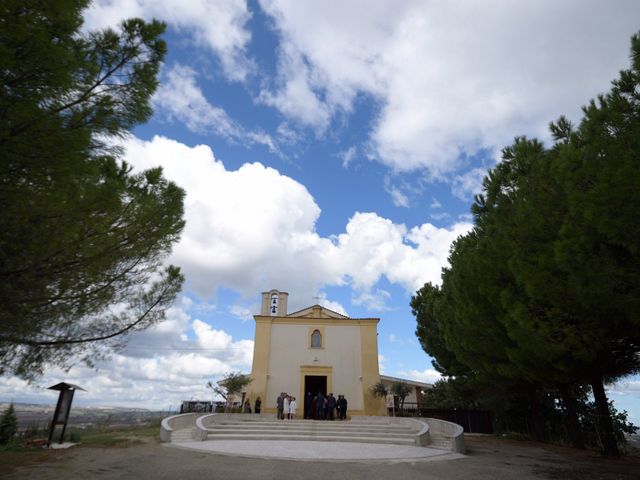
(331, 406)
(293, 406)
(344, 408)
(280, 405)
(258, 405)
(247, 407)
(319, 406)
(308, 405)
(286, 406)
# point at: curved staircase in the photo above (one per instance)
(430, 433)
(309, 430)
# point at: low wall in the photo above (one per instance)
(176, 422)
(452, 431)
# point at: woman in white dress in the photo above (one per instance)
(285, 410)
(293, 406)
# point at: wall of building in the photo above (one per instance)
(339, 358)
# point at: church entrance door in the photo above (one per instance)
(315, 384)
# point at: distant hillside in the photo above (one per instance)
(38, 415)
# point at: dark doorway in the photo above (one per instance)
(315, 384)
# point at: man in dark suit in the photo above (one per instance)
(319, 406)
(280, 405)
(331, 406)
(308, 405)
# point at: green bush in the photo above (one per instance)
(35, 430)
(74, 436)
(8, 425)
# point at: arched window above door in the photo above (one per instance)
(316, 339)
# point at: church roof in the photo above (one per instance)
(389, 379)
(316, 311)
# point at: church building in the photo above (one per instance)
(314, 350)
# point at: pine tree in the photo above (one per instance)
(82, 238)
(8, 425)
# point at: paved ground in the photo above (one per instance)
(488, 458)
(319, 451)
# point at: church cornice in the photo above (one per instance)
(316, 311)
(346, 321)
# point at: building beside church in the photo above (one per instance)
(314, 350)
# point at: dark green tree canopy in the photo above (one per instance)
(545, 290)
(82, 238)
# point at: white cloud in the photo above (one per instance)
(242, 312)
(159, 367)
(381, 363)
(295, 97)
(465, 186)
(348, 155)
(427, 376)
(287, 135)
(626, 386)
(253, 228)
(216, 24)
(439, 216)
(180, 98)
(374, 301)
(451, 77)
(331, 305)
(398, 197)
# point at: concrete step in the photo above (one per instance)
(184, 435)
(309, 431)
(301, 421)
(316, 438)
(439, 441)
(294, 425)
(309, 427)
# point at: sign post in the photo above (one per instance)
(61, 415)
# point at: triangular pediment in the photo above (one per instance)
(316, 311)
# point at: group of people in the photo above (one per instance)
(287, 406)
(320, 407)
(247, 406)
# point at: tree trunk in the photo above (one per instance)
(605, 425)
(573, 425)
(537, 416)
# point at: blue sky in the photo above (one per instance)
(332, 149)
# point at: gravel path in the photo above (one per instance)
(487, 458)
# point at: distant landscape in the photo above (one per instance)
(31, 416)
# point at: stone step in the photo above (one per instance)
(217, 431)
(317, 438)
(439, 441)
(306, 427)
(345, 423)
(184, 435)
(293, 424)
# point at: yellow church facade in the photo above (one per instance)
(314, 350)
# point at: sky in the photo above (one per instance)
(331, 149)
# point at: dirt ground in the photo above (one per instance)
(488, 458)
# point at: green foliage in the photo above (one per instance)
(8, 425)
(82, 238)
(74, 436)
(379, 390)
(230, 386)
(589, 418)
(35, 430)
(401, 390)
(114, 437)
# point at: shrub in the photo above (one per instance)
(8, 425)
